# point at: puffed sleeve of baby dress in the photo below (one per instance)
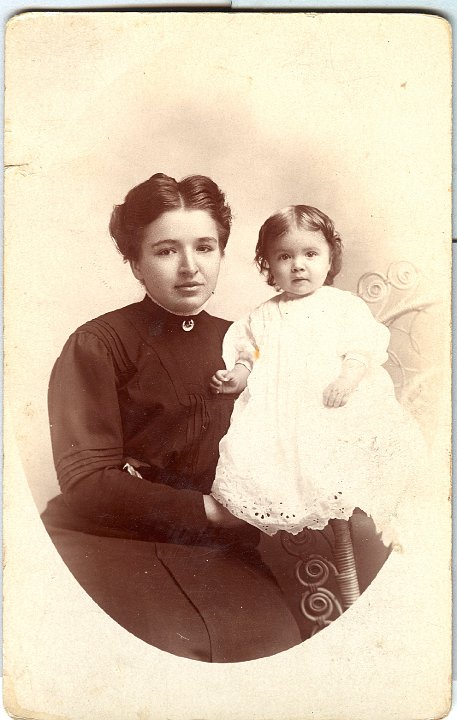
(239, 344)
(363, 338)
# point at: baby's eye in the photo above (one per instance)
(311, 253)
(284, 256)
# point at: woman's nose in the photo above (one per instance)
(188, 264)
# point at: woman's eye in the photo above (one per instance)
(164, 251)
(311, 253)
(205, 248)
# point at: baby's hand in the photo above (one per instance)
(230, 382)
(223, 381)
(338, 392)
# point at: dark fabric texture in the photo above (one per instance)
(133, 386)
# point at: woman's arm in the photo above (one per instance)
(219, 516)
(87, 441)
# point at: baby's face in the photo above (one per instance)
(299, 261)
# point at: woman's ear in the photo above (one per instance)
(134, 265)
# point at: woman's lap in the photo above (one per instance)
(202, 602)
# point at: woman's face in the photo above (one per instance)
(180, 259)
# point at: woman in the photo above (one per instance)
(135, 432)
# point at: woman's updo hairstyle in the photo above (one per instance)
(149, 200)
(303, 217)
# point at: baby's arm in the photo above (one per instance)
(239, 351)
(231, 381)
(363, 345)
(338, 392)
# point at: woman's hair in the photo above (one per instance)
(303, 217)
(149, 200)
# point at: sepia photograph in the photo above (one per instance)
(227, 365)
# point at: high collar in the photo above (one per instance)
(166, 318)
(183, 315)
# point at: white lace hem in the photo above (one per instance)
(271, 520)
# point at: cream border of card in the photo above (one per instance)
(387, 658)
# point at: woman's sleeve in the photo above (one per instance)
(87, 440)
(239, 344)
(363, 337)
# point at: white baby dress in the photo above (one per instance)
(287, 461)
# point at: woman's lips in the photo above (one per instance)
(189, 287)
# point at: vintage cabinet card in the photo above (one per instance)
(349, 113)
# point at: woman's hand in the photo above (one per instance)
(338, 392)
(231, 382)
(218, 515)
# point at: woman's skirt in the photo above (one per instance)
(213, 600)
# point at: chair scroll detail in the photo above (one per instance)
(407, 306)
(318, 604)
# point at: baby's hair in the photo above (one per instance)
(304, 217)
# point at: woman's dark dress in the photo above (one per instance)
(133, 386)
